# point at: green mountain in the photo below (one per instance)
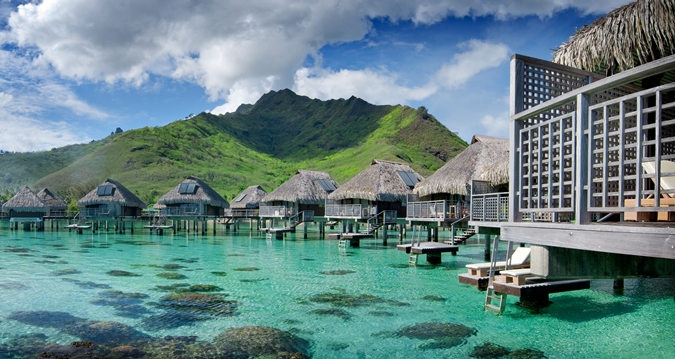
(261, 144)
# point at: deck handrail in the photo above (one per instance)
(443, 209)
(490, 207)
(625, 77)
(581, 152)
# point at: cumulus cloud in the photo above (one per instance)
(381, 87)
(218, 43)
(479, 56)
(497, 126)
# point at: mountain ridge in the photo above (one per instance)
(263, 143)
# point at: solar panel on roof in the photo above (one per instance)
(187, 188)
(183, 188)
(327, 185)
(240, 197)
(104, 190)
(408, 177)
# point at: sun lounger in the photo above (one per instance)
(667, 200)
(519, 259)
(515, 276)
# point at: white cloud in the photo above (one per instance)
(497, 126)
(244, 92)
(22, 134)
(480, 56)
(378, 87)
(219, 43)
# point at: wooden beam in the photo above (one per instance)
(638, 241)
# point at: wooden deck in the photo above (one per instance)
(353, 238)
(473, 280)
(537, 289)
(433, 250)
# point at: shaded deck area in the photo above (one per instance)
(433, 250)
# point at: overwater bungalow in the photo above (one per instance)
(110, 201)
(247, 203)
(27, 208)
(304, 194)
(376, 195)
(192, 198)
(56, 207)
(445, 195)
(586, 149)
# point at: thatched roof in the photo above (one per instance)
(120, 195)
(25, 201)
(379, 182)
(486, 159)
(629, 36)
(204, 194)
(302, 188)
(252, 197)
(53, 202)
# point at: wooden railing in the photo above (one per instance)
(97, 212)
(437, 210)
(349, 210)
(180, 212)
(491, 207)
(241, 212)
(579, 149)
(277, 211)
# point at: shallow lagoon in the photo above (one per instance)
(358, 303)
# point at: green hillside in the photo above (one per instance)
(261, 144)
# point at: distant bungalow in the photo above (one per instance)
(444, 195)
(383, 186)
(55, 206)
(247, 203)
(25, 207)
(192, 198)
(306, 191)
(110, 200)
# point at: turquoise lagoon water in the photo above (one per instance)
(276, 283)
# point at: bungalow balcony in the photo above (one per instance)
(194, 211)
(241, 213)
(98, 212)
(349, 211)
(436, 211)
(589, 159)
(277, 211)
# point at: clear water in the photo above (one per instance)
(593, 323)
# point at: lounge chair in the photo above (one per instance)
(666, 200)
(519, 259)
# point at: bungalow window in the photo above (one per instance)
(327, 185)
(187, 188)
(105, 190)
(240, 197)
(409, 178)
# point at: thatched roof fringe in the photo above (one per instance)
(120, 196)
(204, 194)
(631, 35)
(486, 159)
(54, 203)
(302, 188)
(252, 198)
(25, 201)
(379, 182)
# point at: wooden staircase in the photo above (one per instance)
(466, 235)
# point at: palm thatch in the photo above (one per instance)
(204, 194)
(252, 198)
(120, 196)
(53, 203)
(379, 182)
(25, 201)
(486, 159)
(302, 188)
(632, 35)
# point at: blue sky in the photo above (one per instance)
(74, 70)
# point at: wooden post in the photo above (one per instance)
(581, 193)
(304, 230)
(488, 247)
(516, 102)
(384, 235)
